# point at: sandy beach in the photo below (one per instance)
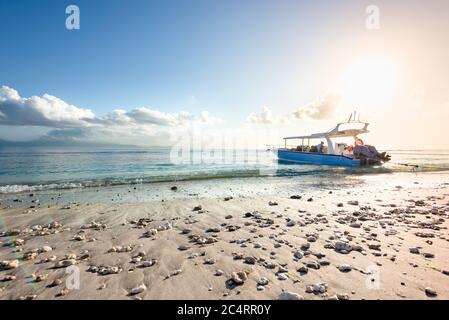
(391, 242)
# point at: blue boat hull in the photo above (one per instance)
(323, 159)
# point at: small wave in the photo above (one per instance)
(18, 188)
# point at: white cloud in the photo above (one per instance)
(323, 108)
(265, 117)
(74, 122)
(47, 110)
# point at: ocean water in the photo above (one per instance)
(39, 170)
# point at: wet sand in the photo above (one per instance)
(392, 243)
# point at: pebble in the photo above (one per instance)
(250, 260)
(65, 263)
(430, 292)
(55, 283)
(147, 263)
(9, 264)
(291, 223)
(303, 270)
(210, 261)
(345, 268)
(40, 277)
(282, 276)
(183, 247)
(313, 265)
(8, 277)
(342, 247)
(137, 290)
(219, 272)
(414, 250)
(262, 281)
(286, 295)
(239, 277)
(298, 255)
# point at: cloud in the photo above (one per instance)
(265, 117)
(70, 122)
(47, 111)
(323, 108)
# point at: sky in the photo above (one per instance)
(146, 72)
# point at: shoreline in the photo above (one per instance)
(270, 242)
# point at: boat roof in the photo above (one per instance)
(339, 131)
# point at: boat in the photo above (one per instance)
(334, 154)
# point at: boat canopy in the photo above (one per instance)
(343, 129)
(349, 128)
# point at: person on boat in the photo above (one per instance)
(320, 147)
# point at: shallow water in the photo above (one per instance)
(37, 170)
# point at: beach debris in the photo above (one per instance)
(272, 203)
(174, 188)
(137, 290)
(353, 202)
(9, 264)
(228, 198)
(197, 208)
(287, 295)
(296, 197)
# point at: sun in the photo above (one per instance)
(369, 81)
